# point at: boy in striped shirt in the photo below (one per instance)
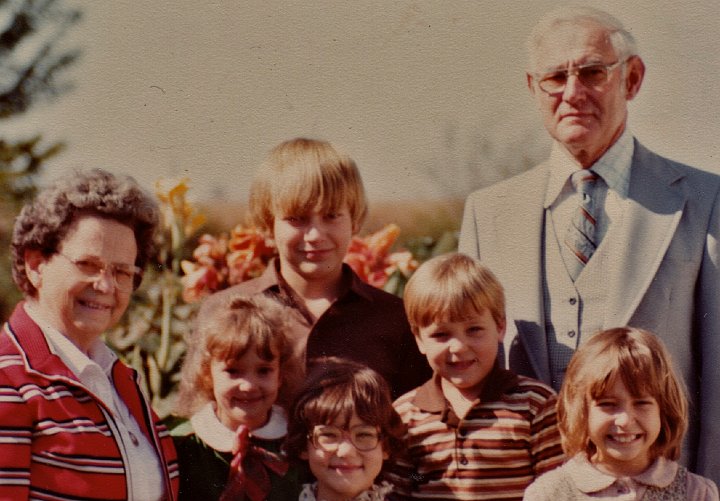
(475, 430)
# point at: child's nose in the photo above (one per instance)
(623, 417)
(245, 384)
(456, 345)
(313, 232)
(345, 448)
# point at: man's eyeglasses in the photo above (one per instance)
(125, 277)
(328, 438)
(590, 75)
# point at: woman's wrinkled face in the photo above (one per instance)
(80, 306)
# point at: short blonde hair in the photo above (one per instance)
(301, 175)
(226, 331)
(452, 287)
(643, 364)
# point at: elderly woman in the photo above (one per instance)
(73, 422)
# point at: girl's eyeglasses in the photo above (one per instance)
(328, 438)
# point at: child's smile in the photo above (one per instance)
(344, 471)
(623, 428)
(245, 389)
(462, 352)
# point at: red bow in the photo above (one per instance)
(249, 476)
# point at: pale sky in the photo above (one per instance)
(428, 97)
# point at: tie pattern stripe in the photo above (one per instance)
(580, 237)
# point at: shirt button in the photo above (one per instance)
(571, 333)
(573, 300)
(463, 460)
(134, 439)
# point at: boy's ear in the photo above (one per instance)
(304, 455)
(501, 330)
(418, 340)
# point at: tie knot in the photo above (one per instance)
(583, 180)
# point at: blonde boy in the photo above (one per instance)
(310, 199)
(475, 431)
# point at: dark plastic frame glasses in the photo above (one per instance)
(364, 437)
(125, 277)
(590, 75)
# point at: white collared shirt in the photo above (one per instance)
(593, 482)
(215, 434)
(612, 193)
(142, 464)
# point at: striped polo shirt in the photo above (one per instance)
(507, 439)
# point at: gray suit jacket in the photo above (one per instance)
(665, 276)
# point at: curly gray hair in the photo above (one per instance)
(43, 223)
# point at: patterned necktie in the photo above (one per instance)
(580, 238)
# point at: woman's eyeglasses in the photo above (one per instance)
(125, 277)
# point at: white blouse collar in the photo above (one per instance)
(208, 427)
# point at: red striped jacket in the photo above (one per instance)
(56, 437)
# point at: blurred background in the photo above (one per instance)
(428, 97)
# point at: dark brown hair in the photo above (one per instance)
(335, 389)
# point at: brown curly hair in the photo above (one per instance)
(226, 331)
(336, 388)
(43, 223)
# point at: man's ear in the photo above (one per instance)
(530, 83)
(34, 263)
(634, 74)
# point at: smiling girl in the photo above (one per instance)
(622, 415)
(344, 426)
(229, 448)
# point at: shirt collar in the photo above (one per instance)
(271, 279)
(215, 434)
(613, 167)
(589, 479)
(77, 361)
(430, 397)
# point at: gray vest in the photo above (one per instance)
(573, 311)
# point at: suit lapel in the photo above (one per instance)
(518, 263)
(654, 207)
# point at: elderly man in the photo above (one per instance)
(604, 233)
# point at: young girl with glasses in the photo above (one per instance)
(622, 415)
(344, 426)
(237, 360)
